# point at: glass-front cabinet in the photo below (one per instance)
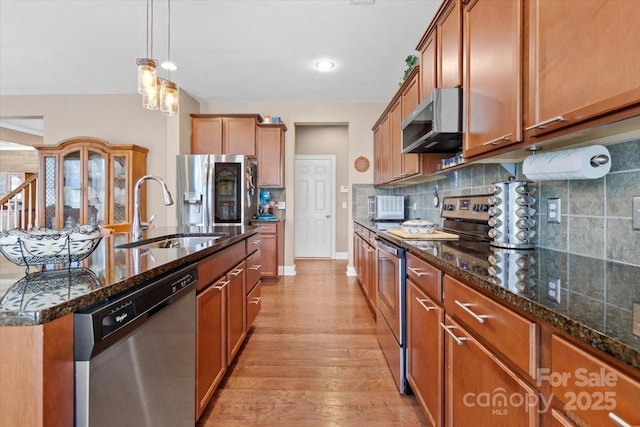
(88, 181)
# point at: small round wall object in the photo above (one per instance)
(361, 164)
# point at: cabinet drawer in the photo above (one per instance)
(254, 268)
(591, 388)
(254, 303)
(425, 276)
(508, 332)
(268, 228)
(211, 268)
(253, 243)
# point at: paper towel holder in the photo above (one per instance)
(601, 159)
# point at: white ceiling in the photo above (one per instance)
(226, 50)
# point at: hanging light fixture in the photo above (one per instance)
(147, 80)
(168, 89)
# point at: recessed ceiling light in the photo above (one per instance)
(325, 65)
(169, 66)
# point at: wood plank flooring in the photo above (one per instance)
(312, 359)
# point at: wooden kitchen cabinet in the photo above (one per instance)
(224, 133)
(428, 63)
(480, 389)
(236, 310)
(271, 155)
(377, 155)
(385, 150)
(425, 338)
(449, 38)
(493, 34)
(89, 181)
(272, 248)
(365, 262)
(583, 63)
(410, 99)
(253, 288)
(395, 140)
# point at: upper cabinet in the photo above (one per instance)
(584, 63)
(492, 75)
(271, 155)
(449, 52)
(428, 63)
(89, 181)
(224, 133)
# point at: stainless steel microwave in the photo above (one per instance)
(435, 125)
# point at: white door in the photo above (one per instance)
(313, 206)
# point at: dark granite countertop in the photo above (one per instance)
(50, 292)
(592, 299)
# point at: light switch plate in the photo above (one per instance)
(636, 212)
(636, 318)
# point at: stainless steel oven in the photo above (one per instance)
(390, 318)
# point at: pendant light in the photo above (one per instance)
(168, 89)
(147, 79)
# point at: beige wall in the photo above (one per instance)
(121, 119)
(331, 140)
(118, 119)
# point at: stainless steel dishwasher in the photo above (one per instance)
(135, 356)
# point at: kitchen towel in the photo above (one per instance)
(575, 163)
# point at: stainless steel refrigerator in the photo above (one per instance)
(216, 189)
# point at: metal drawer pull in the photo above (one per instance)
(236, 272)
(416, 271)
(447, 329)
(255, 267)
(256, 300)
(256, 242)
(496, 141)
(422, 303)
(541, 125)
(465, 306)
(616, 419)
(222, 285)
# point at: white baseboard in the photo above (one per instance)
(342, 255)
(287, 270)
(351, 270)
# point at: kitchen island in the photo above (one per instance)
(36, 315)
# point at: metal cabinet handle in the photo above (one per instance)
(447, 329)
(422, 303)
(256, 300)
(465, 306)
(542, 124)
(496, 141)
(416, 271)
(222, 285)
(236, 272)
(255, 267)
(619, 421)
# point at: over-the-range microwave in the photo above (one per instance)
(435, 125)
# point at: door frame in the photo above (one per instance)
(332, 158)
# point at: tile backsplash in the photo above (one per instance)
(596, 215)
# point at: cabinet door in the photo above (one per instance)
(50, 192)
(240, 136)
(425, 352)
(211, 363)
(254, 304)
(385, 151)
(410, 100)
(492, 70)
(370, 260)
(584, 61)
(71, 176)
(254, 268)
(95, 192)
(450, 46)
(428, 72)
(119, 198)
(480, 389)
(270, 157)
(236, 315)
(395, 137)
(268, 245)
(377, 155)
(206, 135)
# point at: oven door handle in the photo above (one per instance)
(395, 251)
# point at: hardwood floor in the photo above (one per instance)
(312, 359)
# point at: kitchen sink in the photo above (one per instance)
(188, 241)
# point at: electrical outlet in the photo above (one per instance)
(553, 289)
(636, 212)
(553, 210)
(636, 318)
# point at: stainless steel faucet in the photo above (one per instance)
(138, 227)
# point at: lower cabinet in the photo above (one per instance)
(236, 310)
(364, 260)
(480, 390)
(272, 246)
(254, 303)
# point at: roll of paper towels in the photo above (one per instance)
(575, 163)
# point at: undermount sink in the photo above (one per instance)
(188, 241)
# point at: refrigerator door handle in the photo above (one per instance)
(208, 173)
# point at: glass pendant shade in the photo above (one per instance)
(146, 74)
(168, 98)
(150, 98)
